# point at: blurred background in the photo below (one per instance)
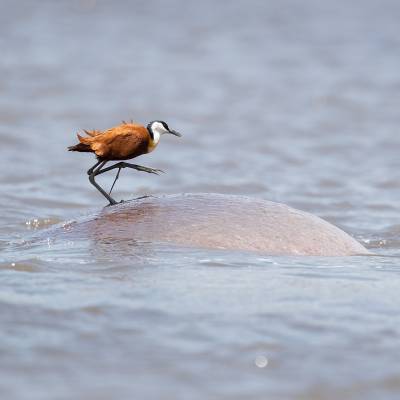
(276, 99)
(296, 102)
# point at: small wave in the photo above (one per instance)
(21, 266)
(40, 223)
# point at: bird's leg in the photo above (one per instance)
(96, 170)
(90, 171)
(115, 180)
(133, 166)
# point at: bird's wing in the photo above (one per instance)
(122, 141)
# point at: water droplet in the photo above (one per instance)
(261, 361)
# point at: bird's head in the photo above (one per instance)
(158, 128)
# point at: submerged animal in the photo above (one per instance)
(196, 220)
(208, 220)
(122, 142)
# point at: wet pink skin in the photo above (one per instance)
(216, 221)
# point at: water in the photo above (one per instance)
(297, 103)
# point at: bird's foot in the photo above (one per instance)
(150, 170)
(137, 167)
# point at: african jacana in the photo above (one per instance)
(122, 142)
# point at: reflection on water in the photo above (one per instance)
(290, 102)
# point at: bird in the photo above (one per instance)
(120, 143)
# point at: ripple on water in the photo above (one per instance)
(22, 266)
(41, 223)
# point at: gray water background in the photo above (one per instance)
(296, 102)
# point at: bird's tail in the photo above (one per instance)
(83, 145)
(80, 147)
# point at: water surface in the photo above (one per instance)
(296, 103)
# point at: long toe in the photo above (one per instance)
(156, 171)
(150, 170)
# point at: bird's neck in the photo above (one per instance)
(154, 139)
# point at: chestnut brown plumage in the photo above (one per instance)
(122, 142)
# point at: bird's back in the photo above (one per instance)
(121, 142)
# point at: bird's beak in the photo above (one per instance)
(172, 132)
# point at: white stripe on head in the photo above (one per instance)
(157, 126)
(157, 129)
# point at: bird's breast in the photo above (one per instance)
(153, 142)
(151, 146)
